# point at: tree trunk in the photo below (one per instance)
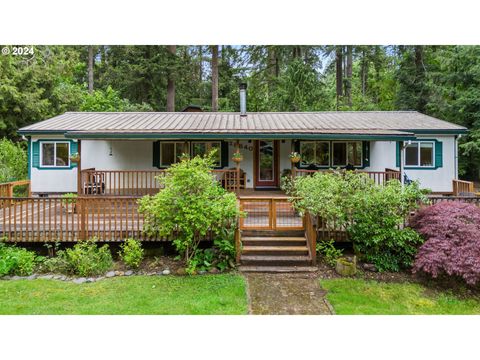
(420, 77)
(90, 69)
(172, 49)
(214, 77)
(339, 74)
(348, 83)
(364, 72)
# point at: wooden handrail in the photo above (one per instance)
(311, 236)
(379, 177)
(462, 187)
(7, 189)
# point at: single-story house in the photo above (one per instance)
(123, 148)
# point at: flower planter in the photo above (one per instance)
(295, 160)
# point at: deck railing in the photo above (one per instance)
(463, 188)
(311, 236)
(7, 190)
(379, 177)
(137, 182)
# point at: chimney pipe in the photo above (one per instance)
(243, 99)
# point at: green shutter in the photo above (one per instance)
(224, 150)
(156, 154)
(398, 153)
(438, 154)
(366, 153)
(73, 150)
(35, 154)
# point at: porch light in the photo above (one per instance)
(110, 153)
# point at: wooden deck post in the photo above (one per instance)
(237, 183)
(81, 210)
(79, 169)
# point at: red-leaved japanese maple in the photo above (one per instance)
(452, 233)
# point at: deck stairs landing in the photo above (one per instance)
(275, 251)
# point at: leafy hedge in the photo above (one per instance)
(452, 246)
(16, 261)
(373, 215)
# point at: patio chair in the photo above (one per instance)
(95, 184)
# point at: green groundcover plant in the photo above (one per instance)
(16, 261)
(131, 253)
(191, 205)
(373, 215)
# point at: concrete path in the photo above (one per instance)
(286, 294)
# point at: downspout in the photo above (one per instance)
(455, 154)
(402, 147)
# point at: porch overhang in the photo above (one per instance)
(374, 135)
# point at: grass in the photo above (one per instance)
(356, 297)
(168, 295)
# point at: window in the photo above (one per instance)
(315, 152)
(419, 153)
(55, 154)
(202, 148)
(347, 153)
(170, 152)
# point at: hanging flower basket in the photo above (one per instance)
(237, 157)
(295, 157)
(184, 157)
(75, 157)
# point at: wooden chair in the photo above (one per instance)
(95, 184)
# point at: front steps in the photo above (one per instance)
(275, 251)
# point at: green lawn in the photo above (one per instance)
(206, 294)
(356, 296)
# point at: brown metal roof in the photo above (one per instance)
(353, 122)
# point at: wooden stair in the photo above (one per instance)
(275, 251)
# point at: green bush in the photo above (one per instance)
(16, 261)
(86, 258)
(191, 205)
(131, 253)
(373, 215)
(13, 161)
(329, 252)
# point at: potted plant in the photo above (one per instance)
(237, 157)
(294, 157)
(184, 157)
(346, 266)
(75, 157)
(69, 203)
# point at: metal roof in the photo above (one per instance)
(375, 123)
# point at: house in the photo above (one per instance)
(127, 150)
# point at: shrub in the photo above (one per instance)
(131, 253)
(191, 204)
(86, 258)
(13, 161)
(16, 261)
(329, 252)
(373, 215)
(452, 246)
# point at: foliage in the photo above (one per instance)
(191, 204)
(373, 215)
(220, 294)
(452, 246)
(360, 297)
(131, 253)
(109, 100)
(328, 250)
(69, 198)
(86, 258)
(16, 261)
(13, 161)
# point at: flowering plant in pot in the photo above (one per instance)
(237, 157)
(75, 157)
(184, 157)
(294, 157)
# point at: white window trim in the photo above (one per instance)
(315, 152)
(174, 151)
(346, 153)
(54, 154)
(418, 153)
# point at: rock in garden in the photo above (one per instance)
(128, 272)
(119, 273)
(46, 277)
(166, 272)
(100, 278)
(214, 271)
(110, 274)
(201, 272)
(7, 277)
(32, 277)
(16, 277)
(58, 277)
(90, 280)
(62, 278)
(80, 280)
(369, 267)
(181, 271)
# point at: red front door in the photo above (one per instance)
(266, 164)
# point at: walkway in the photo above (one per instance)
(286, 294)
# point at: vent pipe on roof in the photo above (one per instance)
(243, 99)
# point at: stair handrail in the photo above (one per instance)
(311, 236)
